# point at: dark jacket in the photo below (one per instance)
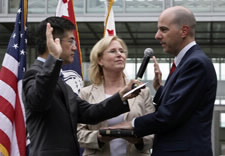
(53, 110)
(183, 119)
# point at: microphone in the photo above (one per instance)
(148, 53)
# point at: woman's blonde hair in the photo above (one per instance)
(95, 70)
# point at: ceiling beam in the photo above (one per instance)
(93, 31)
(131, 34)
(8, 26)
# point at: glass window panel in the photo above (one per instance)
(165, 68)
(52, 6)
(203, 41)
(79, 6)
(203, 35)
(82, 27)
(216, 66)
(1, 6)
(31, 55)
(95, 6)
(222, 120)
(13, 6)
(128, 42)
(203, 27)
(99, 6)
(222, 149)
(195, 5)
(121, 27)
(86, 73)
(218, 26)
(222, 71)
(87, 35)
(218, 51)
(36, 7)
(218, 5)
(133, 6)
(219, 41)
(118, 6)
(149, 73)
(222, 102)
(218, 35)
(130, 70)
(217, 102)
(2, 54)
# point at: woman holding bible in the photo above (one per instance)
(107, 63)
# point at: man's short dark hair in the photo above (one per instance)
(60, 26)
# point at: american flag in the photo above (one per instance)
(12, 115)
(72, 73)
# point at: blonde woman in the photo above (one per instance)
(108, 60)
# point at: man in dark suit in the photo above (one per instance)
(184, 105)
(52, 109)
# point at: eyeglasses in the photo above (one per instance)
(114, 51)
(72, 42)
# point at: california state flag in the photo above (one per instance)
(109, 24)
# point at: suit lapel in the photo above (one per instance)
(179, 67)
(98, 93)
(62, 85)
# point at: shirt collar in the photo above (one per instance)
(181, 54)
(41, 59)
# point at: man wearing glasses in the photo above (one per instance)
(52, 109)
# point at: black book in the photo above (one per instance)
(117, 132)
